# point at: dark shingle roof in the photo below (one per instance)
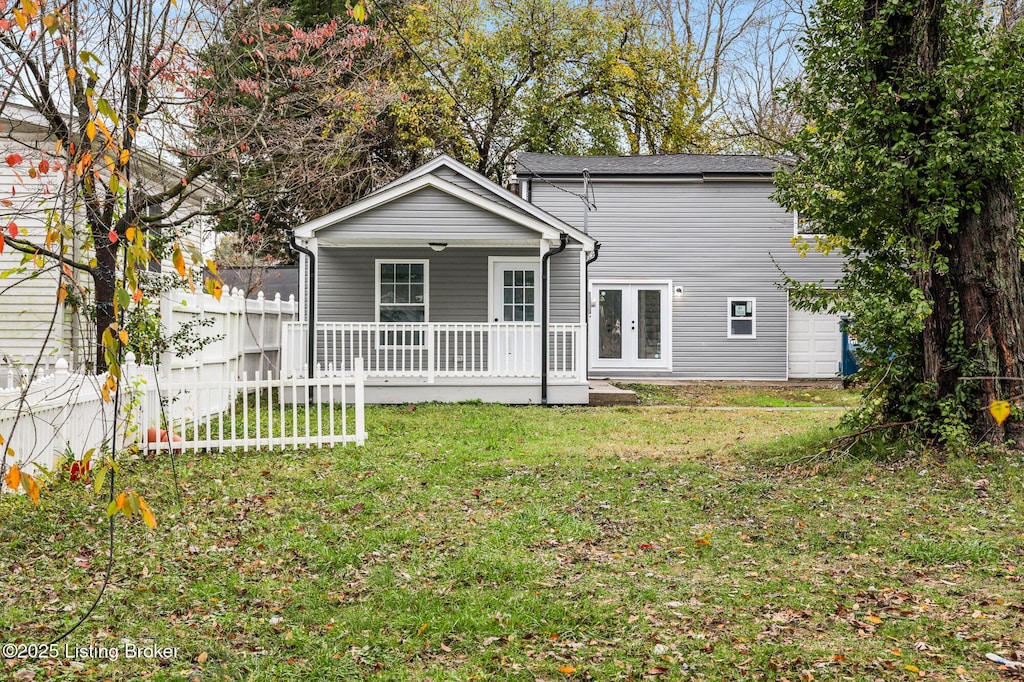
(530, 164)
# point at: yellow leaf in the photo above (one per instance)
(125, 155)
(31, 487)
(1, 440)
(90, 130)
(13, 477)
(123, 335)
(130, 234)
(567, 670)
(147, 513)
(422, 629)
(105, 392)
(216, 289)
(179, 261)
(21, 19)
(912, 668)
(874, 619)
(29, 8)
(1000, 410)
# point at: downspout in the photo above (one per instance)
(310, 321)
(586, 295)
(564, 242)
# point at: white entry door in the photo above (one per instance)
(631, 326)
(515, 303)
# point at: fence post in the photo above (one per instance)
(430, 353)
(360, 400)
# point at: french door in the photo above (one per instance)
(631, 327)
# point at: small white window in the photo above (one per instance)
(742, 323)
(401, 291)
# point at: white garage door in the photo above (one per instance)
(815, 345)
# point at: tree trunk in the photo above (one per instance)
(105, 287)
(985, 270)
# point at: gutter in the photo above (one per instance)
(311, 309)
(564, 242)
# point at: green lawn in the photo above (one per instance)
(718, 394)
(494, 543)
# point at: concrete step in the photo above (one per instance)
(603, 394)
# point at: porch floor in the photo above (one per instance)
(603, 394)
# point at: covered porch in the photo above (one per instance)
(449, 288)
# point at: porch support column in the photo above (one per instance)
(563, 242)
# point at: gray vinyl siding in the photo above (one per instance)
(428, 214)
(462, 181)
(715, 239)
(564, 287)
(456, 288)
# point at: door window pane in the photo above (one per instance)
(648, 324)
(610, 323)
(518, 295)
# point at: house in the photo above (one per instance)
(33, 195)
(453, 288)
(450, 288)
(692, 251)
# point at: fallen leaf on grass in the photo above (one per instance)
(567, 670)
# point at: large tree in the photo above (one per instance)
(297, 105)
(553, 76)
(912, 163)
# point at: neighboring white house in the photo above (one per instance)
(31, 191)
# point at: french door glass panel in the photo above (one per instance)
(609, 324)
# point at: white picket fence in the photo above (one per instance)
(258, 411)
(231, 395)
(61, 413)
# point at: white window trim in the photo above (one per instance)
(402, 261)
(729, 318)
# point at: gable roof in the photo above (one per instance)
(478, 191)
(530, 164)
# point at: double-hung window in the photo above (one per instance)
(742, 322)
(402, 296)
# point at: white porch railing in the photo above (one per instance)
(444, 350)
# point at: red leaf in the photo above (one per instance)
(12, 229)
(44, 166)
(13, 160)
(112, 236)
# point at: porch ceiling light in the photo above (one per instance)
(438, 246)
